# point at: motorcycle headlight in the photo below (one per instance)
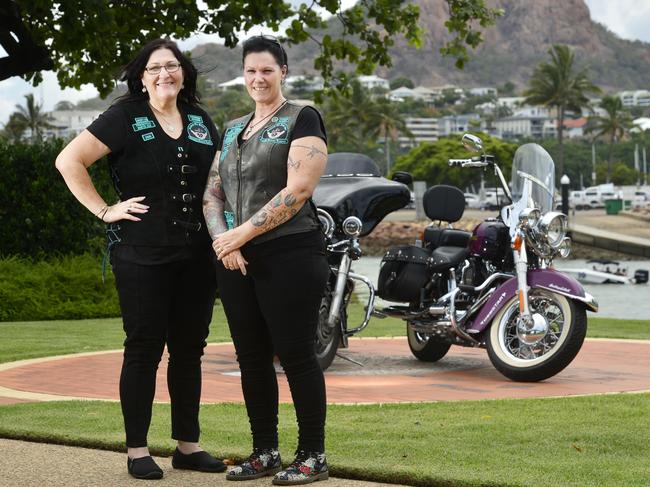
(552, 226)
(326, 222)
(352, 226)
(565, 247)
(529, 217)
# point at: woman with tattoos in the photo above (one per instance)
(271, 265)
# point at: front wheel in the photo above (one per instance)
(425, 348)
(328, 339)
(537, 353)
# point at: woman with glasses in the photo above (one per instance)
(272, 268)
(160, 145)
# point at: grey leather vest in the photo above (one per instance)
(255, 171)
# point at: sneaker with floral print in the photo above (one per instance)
(262, 462)
(306, 468)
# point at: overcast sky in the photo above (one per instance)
(627, 18)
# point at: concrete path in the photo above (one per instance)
(25, 464)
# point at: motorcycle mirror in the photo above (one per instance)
(472, 143)
(402, 177)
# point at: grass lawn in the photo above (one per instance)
(574, 441)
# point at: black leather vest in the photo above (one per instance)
(255, 171)
(171, 174)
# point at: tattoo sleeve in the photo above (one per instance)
(277, 211)
(214, 201)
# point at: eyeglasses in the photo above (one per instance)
(170, 67)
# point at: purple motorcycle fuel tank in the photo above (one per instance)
(490, 239)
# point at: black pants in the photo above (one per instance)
(166, 303)
(273, 310)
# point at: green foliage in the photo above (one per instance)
(557, 84)
(228, 104)
(429, 161)
(401, 81)
(54, 289)
(89, 45)
(38, 214)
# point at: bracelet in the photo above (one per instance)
(104, 214)
(101, 209)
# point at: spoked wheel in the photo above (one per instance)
(425, 348)
(328, 339)
(543, 348)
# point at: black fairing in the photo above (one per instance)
(352, 186)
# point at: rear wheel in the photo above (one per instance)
(328, 339)
(535, 354)
(425, 348)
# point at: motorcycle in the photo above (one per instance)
(493, 288)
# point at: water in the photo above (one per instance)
(615, 300)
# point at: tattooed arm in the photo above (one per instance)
(306, 163)
(213, 201)
(213, 204)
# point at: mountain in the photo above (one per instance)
(510, 51)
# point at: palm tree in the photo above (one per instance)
(14, 129)
(556, 84)
(614, 125)
(385, 122)
(33, 116)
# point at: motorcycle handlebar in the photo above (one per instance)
(467, 163)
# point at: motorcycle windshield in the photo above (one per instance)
(533, 176)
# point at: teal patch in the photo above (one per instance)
(142, 123)
(230, 219)
(148, 136)
(277, 132)
(197, 131)
(229, 137)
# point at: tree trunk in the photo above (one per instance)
(609, 158)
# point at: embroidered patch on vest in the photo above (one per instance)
(142, 123)
(197, 131)
(278, 133)
(148, 136)
(229, 137)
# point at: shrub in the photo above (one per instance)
(39, 217)
(56, 288)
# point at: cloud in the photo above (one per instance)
(626, 18)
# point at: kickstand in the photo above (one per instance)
(349, 359)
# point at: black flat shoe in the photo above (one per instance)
(200, 461)
(144, 468)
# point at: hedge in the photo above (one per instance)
(39, 217)
(55, 289)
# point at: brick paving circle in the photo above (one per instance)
(389, 374)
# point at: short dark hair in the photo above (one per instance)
(265, 43)
(132, 72)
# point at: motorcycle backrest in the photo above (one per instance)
(350, 164)
(445, 203)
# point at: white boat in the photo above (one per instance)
(606, 272)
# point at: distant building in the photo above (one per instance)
(372, 81)
(523, 125)
(423, 130)
(575, 127)
(641, 124)
(483, 91)
(238, 81)
(458, 124)
(637, 98)
(305, 83)
(402, 93)
(70, 123)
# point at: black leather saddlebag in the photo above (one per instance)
(404, 272)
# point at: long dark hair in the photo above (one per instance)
(132, 73)
(265, 43)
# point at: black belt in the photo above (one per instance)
(185, 197)
(184, 169)
(187, 225)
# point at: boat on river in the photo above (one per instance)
(600, 271)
